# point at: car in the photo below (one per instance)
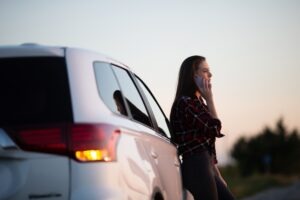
(76, 124)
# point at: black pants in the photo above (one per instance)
(200, 179)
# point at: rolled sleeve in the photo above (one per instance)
(198, 117)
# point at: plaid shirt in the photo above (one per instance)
(194, 129)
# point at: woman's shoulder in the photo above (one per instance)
(184, 100)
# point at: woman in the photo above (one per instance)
(196, 126)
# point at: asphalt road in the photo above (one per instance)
(291, 192)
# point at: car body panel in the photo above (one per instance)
(147, 162)
(29, 50)
(25, 175)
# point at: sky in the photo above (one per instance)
(252, 47)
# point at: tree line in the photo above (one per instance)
(275, 151)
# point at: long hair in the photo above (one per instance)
(186, 85)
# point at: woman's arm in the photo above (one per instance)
(207, 94)
(196, 116)
(211, 107)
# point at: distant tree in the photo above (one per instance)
(270, 151)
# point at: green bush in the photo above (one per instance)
(271, 151)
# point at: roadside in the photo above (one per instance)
(291, 192)
(244, 187)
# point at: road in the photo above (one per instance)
(291, 192)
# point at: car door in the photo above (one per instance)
(160, 168)
(160, 148)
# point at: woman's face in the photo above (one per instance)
(204, 71)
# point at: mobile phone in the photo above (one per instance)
(199, 81)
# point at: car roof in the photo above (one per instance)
(38, 50)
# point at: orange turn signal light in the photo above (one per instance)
(93, 155)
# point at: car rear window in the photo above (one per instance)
(34, 90)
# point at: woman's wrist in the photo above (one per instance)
(211, 107)
(209, 100)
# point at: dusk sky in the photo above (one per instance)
(253, 48)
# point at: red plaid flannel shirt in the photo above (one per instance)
(194, 129)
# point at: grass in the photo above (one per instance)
(246, 186)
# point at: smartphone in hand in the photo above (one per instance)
(199, 82)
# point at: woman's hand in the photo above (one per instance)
(204, 87)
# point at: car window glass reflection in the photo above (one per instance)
(136, 113)
(158, 114)
(107, 85)
(132, 97)
(120, 102)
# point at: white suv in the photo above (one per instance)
(78, 125)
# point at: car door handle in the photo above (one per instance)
(154, 155)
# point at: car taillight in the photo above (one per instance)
(94, 143)
(82, 142)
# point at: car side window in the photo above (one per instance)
(132, 97)
(158, 114)
(108, 88)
